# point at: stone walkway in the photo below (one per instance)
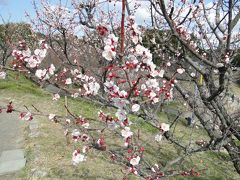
(11, 143)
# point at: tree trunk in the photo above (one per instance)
(234, 152)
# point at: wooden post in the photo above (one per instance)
(201, 79)
(66, 105)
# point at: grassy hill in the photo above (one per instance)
(49, 154)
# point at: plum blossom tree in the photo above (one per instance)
(132, 83)
(207, 40)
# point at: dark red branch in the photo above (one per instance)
(122, 35)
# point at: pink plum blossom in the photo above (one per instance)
(26, 116)
(76, 135)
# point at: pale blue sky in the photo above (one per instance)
(14, 10)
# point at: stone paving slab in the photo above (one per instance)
(11, 161)
(12, 166)
(11, 132)
(12, 155)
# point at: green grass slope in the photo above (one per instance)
(49, 152)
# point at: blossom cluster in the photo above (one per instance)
(90, 85)
(24, 55)
(109, 52)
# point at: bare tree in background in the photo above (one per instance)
(10, 35)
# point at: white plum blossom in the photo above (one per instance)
(123, 93)
(135, 161)
(111, 40)
(155, 100)
(192, 74)
(51, 116)
(66, 131)
(146, 56)
(152, 169)
(121, 114)
(216, 71)
(32, 61)
(68, 121)
(75, 95)
(3, 75)
(153, 40)
(56, 97)
(155, 73)
(152, 95)
(143, 87)
(126, 132)
(135, 39)
(77, 157)
(152, 83)
(91, 88)
(180, 70)
(42, 74)
(158, 137)
(219, 65)
(140, 50)
(161, 73)
(135, 107)
(135, 34)
(40, 52)
(108, 53)
(26, 53)
(75, 72)
(51, 69)
(152, 66)
(110, 85)
(68, 81)
(165, 127)
(84, 149)
(227, 59)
